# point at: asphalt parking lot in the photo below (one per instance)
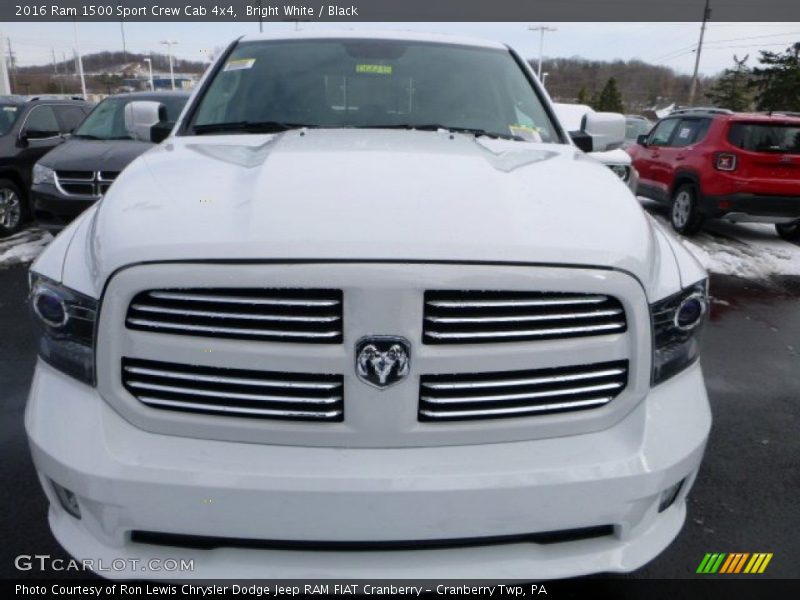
(745, 499)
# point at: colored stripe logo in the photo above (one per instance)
(735, 562)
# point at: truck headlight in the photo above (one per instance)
(64, 324)
(621, 171)
(677, 322)
(42, 174)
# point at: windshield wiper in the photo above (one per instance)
(85, 136)
(247, 127)
(436, 127)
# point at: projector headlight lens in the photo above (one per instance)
(64, 323)
(677, 322)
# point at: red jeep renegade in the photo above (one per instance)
(711, 163)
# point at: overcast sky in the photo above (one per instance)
(670, 44)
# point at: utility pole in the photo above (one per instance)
(542, 29)
(149, 62)
(79, 59)
(12, 64)
(169, 44)
(5, 86)
(260, 19)
(693, 87)
(124, 46)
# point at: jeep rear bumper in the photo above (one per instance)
(752, 207)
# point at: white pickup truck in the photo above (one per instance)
(367, 312)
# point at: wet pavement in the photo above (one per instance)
(746, 496)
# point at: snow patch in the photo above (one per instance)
(24, 246)
(749, 250)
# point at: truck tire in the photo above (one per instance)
(684, 213)
(789, 231)
(12, 208)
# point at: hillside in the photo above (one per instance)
(641, 84)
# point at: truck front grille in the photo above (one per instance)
(235, 392)
(277, 315)
(471, 317)
(520, 393)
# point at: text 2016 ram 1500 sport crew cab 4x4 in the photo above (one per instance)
(368, 295)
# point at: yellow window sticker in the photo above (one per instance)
(529, 134)
(239, 64)
(374, 69)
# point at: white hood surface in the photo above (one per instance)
(370, 195)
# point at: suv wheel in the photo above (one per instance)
(12, 209)
(684, 213)
(789, 231)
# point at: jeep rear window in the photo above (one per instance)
(374, 84)
(765, 137)
(8, 114)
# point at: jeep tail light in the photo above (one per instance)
(724, 161)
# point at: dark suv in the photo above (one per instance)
(76, 175)
(718, 164)
(29, 128)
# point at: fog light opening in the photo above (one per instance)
(67, 499)
(669, 495)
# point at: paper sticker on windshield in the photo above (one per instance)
(10, 108)
(529, 134)
(239, 64)
(374, 69)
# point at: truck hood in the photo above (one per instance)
(94, 155)
(355, 194)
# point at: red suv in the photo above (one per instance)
(711, 163)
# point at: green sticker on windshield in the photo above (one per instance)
(374, 69)
(529, 134)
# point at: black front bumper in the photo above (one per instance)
(54, 211)
(751, 204)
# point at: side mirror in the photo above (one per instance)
(142, 117)
(607, 130)
(642, 139)
(37, 134)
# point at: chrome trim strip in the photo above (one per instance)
(515, 410)
(233, 395)
(187, 296)
(226, 315)
(524, 318)
(232, 380)
(522, 381)
(525, 396)
(331, 414)
(235, 330)
(523, 333)
(518, 303)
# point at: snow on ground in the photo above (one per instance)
(23, 247)
(749, 250)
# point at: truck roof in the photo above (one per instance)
(404, 36)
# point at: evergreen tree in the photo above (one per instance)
(732, 89)
(609, 99)
(583, 96)
(777, 81)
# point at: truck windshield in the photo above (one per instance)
(765, 137)
(279, 84)
(8, 114)
(107, 120)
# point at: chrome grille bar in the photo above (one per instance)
(278, 315)
(470, 317)
(520, 393)
(212, 390)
